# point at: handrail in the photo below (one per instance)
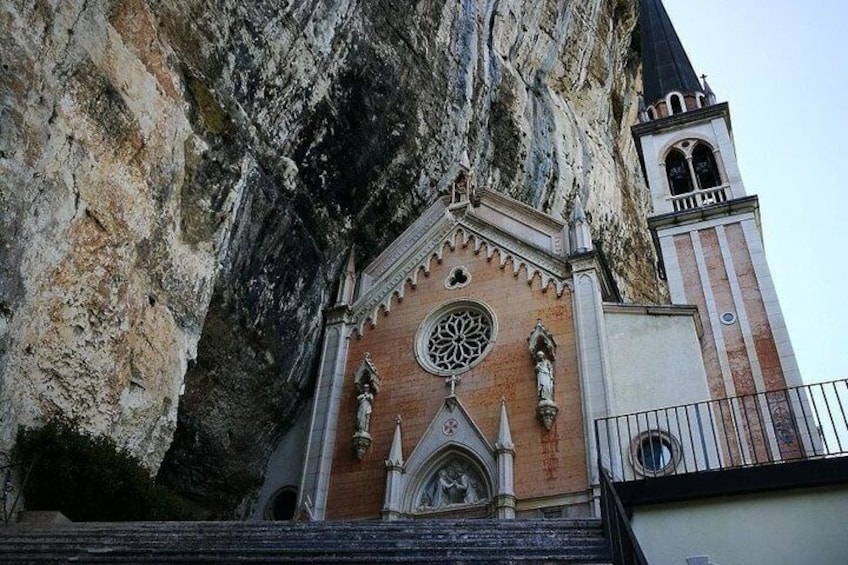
(8, 487)
(623, 545)
(765, 428)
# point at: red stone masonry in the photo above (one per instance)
(695, 295)
(546, 463)
(734, 343)
(763, 337)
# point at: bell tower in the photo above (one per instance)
(704, 224)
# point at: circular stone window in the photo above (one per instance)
(455, 337)
(654, 453)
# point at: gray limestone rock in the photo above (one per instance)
(179, 181)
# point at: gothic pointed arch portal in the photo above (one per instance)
(451, 483)
(453, 470)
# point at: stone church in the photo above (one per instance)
(464, 369)
(485, 369)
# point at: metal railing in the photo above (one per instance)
(792, 424)
(623, 545)
(14, 476)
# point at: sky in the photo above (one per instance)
(783, 68)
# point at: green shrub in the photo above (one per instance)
(89, 478)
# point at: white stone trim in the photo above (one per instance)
(537, 264)
(740, 311)
(668, 106)
(779, 331)
(693, 137)
(394, 476)
(713, 314)
(407, 239)
(706, 224)
(785, 352)
(686, 310)
(435, 447)
(591, 358)
(318, 459)
(527, 239)
(656, 145)
(727, 153)
(715, 326)
(422, 335)
(673, 274)
(747, 334)
(461, 269)
(505, 452)
(662, 432)
(515, 209)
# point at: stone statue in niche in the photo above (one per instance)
(544, 377)
(454, 484)
(464, 186)
(543, 351)
(365, 402)
(367, 382)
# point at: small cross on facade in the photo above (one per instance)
(452, 381)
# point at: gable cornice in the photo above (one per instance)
(456, 227)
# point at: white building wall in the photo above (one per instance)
(655, 359)
(782, 528)
(655, 363)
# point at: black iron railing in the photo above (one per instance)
(793, 424)
(14, 477)
(623, 545)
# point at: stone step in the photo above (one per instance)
(548, 541)
(363, 525)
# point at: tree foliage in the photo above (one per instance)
(89, 478)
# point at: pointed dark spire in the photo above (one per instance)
(665, 65)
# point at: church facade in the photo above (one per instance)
(465, 335)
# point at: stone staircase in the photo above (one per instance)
(405, 541)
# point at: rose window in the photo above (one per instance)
(455, 338)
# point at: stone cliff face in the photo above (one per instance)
(181, 180)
